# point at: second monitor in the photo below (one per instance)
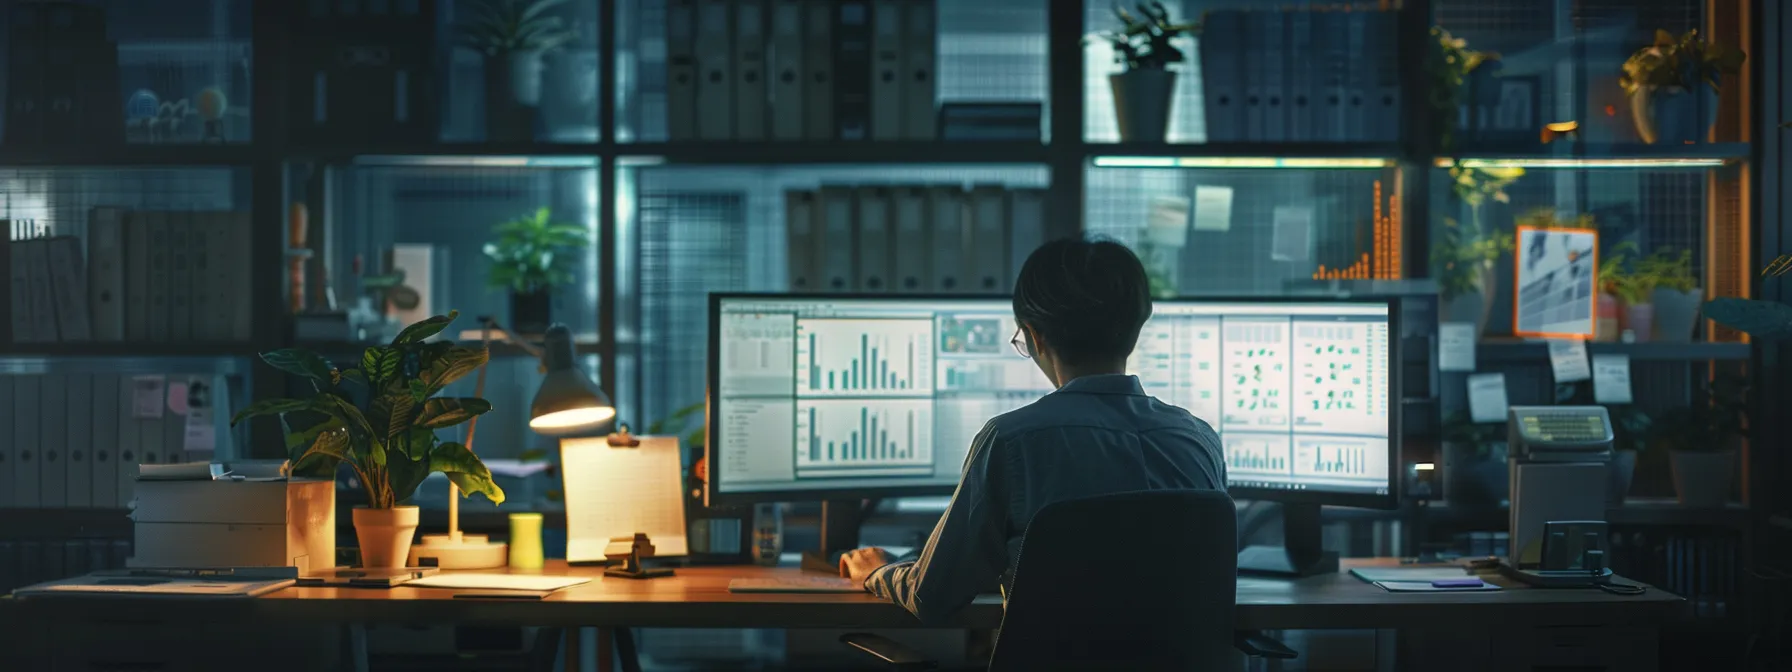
(841, 397)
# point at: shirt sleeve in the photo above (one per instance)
(967, 551)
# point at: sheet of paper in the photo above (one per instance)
(1569, 359)
(1487, 397)
(202, 429)
(1611, 379)
(148, 394)
(1292, 236)
(619, 492)
(499, 581)
(1456, 346)
(1213, 208)
(1166, 222)
(1426, 587)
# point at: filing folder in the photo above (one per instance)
(1331, 50)
(919, 62)
(8, 458)
(1222, 51)
(799, 226)
(681, 70)
(750, 99)
(946, 215)
(1383, 58)
(715, 79)
(784, 70)
(874, 239)
(834, 238)
(1266, 114)
(78, 442)
(103, 459)
(27, 390)
(1302, 73)
(911, 268)
(1359, 80)
(852, 69)
(818, 61)
(886, 69)
(52, 441)
(987, 256)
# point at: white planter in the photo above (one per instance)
(385, 535)
(1703, 479)
(1676, 314)
(525, 76)
(1142, 100)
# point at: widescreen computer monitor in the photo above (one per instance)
(819, 397)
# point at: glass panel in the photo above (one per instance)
(403, 240)
(1561, 62)
(1251, 231)
(1302, 75)
(686, 231)
(128, 260)
(108, 72)
(992, 51)
(425, 71)
(1644, 212)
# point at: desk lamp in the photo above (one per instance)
(566, 403)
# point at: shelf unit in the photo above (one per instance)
(1068, 157)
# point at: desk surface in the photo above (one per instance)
(698, 597)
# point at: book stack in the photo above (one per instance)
(146, 277)
(800, 69)
(926, 239)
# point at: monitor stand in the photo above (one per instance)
(1302, 552)
(840, 522)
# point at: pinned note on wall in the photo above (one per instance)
(1213, 208)
(1456, 346)
(1569, 360)
(1487, 397)
(1611, 379)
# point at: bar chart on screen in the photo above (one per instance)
(1341, 459)
(864, 358)
(887, 437)
(1265, 455)
(756, 354)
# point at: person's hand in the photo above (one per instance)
(860, 563)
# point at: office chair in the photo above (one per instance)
(1130, 581)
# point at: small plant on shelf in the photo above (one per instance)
(1661, 81)
(531, 256)
(1462, 261)
(513, 35)
(380, 418)
(1144, 47)
(1452, 67)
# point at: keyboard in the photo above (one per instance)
(796, 584)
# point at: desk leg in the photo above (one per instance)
(354, 647)
(606, 650)
(572, 652)
(625, 650)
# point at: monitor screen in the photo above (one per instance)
(821, 397)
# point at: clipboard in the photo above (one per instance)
(617, 491)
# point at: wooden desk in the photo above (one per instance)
(698, 598)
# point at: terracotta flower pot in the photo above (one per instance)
(385, 535)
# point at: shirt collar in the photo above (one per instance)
(1111, 383)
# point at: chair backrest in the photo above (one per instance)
(1129, 581)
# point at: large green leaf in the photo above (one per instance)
(417, 443)
(404, 476)
(270, 407)
(465, 470)
(1766, 320)
(380, 363)
(301, 363)
(300, 439)
(425, 329)
(345, 411)
(448, 412)
(330, 448)
(453, 365)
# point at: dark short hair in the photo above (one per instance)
(1087, 299)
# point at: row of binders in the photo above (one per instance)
(1301, 75)
(800, 69)
(911, 238)
(148, 276)
(74, 440)
(26, 562)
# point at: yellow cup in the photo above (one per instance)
(525, 541)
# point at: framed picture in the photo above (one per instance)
(1554, 272)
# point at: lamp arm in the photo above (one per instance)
(492, 325)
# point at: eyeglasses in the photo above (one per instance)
(1020, 343)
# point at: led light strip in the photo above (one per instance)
(1240, 162)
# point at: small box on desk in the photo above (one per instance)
(223, 523)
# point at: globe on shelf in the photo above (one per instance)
(142, 106)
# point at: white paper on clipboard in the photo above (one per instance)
(619, 492)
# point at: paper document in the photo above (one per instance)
(1487, 397)
(1426, 587)
(148, 397)
(1569, 359)
(1611, 379)
(620, 492)
(1456, 346)
(1406, 573)
(1213, 208)
(1166, 223)
(535, 582)
(1292, 235)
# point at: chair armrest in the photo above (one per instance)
(1258, 645)
(898, 656)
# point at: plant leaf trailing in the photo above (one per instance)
(1679, 63)
(383, 425)
(1450, 64)
(501, 27)
(1710, 426)
(1461, 255)
(1144, 41)
(532, 253)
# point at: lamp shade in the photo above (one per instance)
(568, 402)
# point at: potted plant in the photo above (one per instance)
(530, 257)
(513, 35)
(1634, 291)
(1701, 441)
(380, 419)
(1676, 296)
(1460, 78)
(1463, 260)
(1630, 431)
(1145, 87)
(1612, 272)
(1474, 462)
(1662, 82)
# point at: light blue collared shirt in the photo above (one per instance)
(1095, 435)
